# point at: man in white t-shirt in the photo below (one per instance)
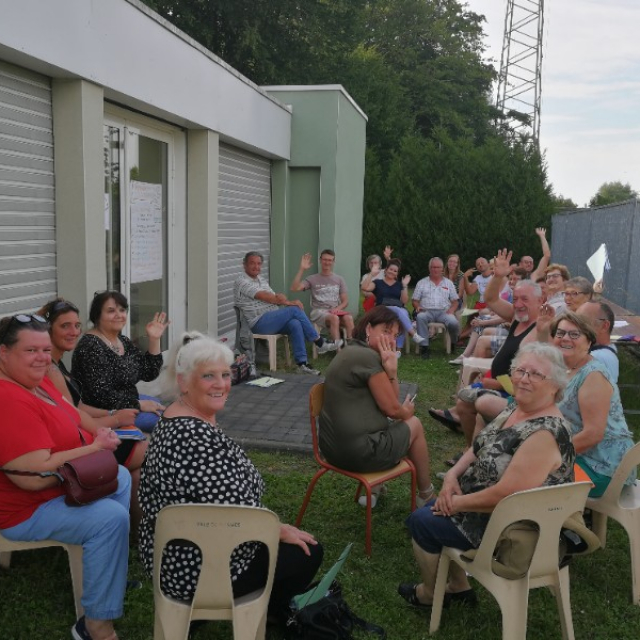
(480, 282)
(329, 299)
(602, 318)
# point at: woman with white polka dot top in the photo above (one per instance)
(191, 460)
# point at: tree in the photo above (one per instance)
(561, 203)
(612, 192)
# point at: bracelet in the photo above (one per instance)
(392, 379)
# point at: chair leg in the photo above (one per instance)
(75, 566)
(633, 531)
(273, 353)
(367, 543)
(562, 593)
(5, 559)
(287, 353)
(514, 611)
(438, 593)
(307, 496)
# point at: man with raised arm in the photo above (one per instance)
(526, 262)
(329, 299)
(268, 312)
(523, 314)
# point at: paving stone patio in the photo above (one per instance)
(275, 418)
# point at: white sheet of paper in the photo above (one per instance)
(597, 261)
(619, 324)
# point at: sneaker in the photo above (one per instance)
(79, 630)
(376, 491)
(305, 368)
(457, 361)
(253, 372)
(417, 338)
(330, 345)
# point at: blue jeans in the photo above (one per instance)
(102, 528)
(432, 532)
(437, 315)
(147, 420)
(405, 323)
(293, 322)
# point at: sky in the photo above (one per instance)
(590, 109)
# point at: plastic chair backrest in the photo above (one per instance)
(548, 508)
(630, 460)
(217, 530)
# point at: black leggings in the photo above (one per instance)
(295, 570)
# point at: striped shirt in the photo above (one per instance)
(244, 292)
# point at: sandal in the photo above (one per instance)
(446, 418)
(407, 590)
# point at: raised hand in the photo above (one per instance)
(545, 317)
(541, 232)
(387, 253)
(375, 271)
(469, 272)
(502, 263)
(157, 326)
(306, 262)
(406, 280)
(387, 351)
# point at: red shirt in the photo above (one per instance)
(28, 423)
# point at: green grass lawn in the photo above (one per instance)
(36, 601)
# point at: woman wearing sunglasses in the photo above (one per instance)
(108, 365)
(591, 402)
(65, 330)
(41, 431)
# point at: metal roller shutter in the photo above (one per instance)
(27, 217)
(244, 210)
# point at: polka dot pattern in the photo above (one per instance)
(190, 461)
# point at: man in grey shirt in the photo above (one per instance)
(269, 313)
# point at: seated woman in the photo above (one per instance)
(576, 292)
(108, 365)
(452, 272)
(40, 432)
(391, 293)
(591, 403)
(65, 329)
(361, 395)
(528, 445)
(191, 460)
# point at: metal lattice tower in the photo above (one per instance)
(519, 82)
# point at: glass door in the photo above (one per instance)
(137, 196)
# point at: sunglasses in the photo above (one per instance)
(60, 307)
(21, 318)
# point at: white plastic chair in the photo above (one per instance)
(622, 503)
(75, 562)
(217, 530)
(435, 329)
(246, 345)
(548, 507)
(318, 328)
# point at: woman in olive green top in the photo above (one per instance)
(363, 425)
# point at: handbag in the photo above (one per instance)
(330, 618)
(84, 479)
(240, 369)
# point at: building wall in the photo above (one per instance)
(327, 157)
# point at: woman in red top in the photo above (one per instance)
(39, 431)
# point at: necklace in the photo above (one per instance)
(212, 422)
(579, 364)
(114, 346)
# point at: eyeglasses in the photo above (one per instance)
(573, 294)
(534, 376)
(574, 335)
(551, 276)
(60, 306)
(22, 318)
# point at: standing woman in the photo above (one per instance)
(65, 330)
(108, 365)
(41, 431)
(394, 294)
(452, 272)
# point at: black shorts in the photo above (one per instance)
(124, 450)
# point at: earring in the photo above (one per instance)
(367, 338)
